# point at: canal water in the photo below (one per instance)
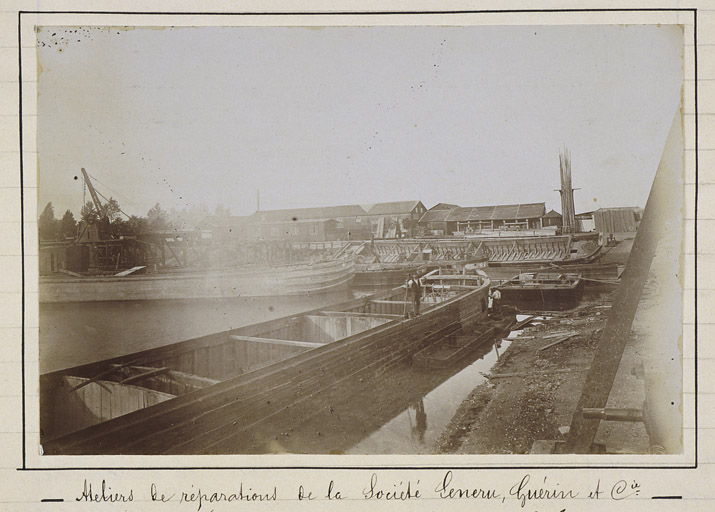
(83, 332)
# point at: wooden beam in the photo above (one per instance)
(129, 271)
(376, 301)
(102, 374)
(176, 257)
(560, 340)
(524, 322)
(461, 277)
(355, 314)
(144, 375)
(307, 344)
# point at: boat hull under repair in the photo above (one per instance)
(507, 250)
(245, 282)
(233, 402)
(557, 249)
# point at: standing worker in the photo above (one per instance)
(496, 297)
(415, 288)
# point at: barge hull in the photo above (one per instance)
(296, 280)
(237, 415)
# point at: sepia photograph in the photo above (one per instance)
(361, 240)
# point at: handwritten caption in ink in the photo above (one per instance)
(525, 491)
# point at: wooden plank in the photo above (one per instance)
(366, 315)
(106, 405)
(558, 334)
(101, 375)
(144, 375)
(523, 323)
(391, 301)
(128, 271)
(307, 344)
(560, 340)
(449, 277)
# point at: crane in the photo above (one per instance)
(92, 192)
(102, 220)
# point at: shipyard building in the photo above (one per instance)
(399, 219)
(446, 219)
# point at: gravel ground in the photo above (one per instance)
(532, 393)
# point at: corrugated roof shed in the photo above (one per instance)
(498, 212)
(435, 216)
(393, 208)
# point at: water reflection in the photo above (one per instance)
(417, 428)
(420, 426)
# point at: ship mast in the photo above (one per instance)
(567, 205)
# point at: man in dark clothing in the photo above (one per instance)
(415, 288)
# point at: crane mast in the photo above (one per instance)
(92, 192)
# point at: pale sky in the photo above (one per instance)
(345, 115)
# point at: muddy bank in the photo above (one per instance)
(533, 389)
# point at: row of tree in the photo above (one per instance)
(110, 218)
(50, 228)
(114, 223)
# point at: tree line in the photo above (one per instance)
(115, 223)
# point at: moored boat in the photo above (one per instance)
(250, 281)
(591, 273)
(236, 391)
(539, 290)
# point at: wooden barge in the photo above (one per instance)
(239, 391)
(507, 251)
(541, 289)
(558, 249)
(251, 281)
